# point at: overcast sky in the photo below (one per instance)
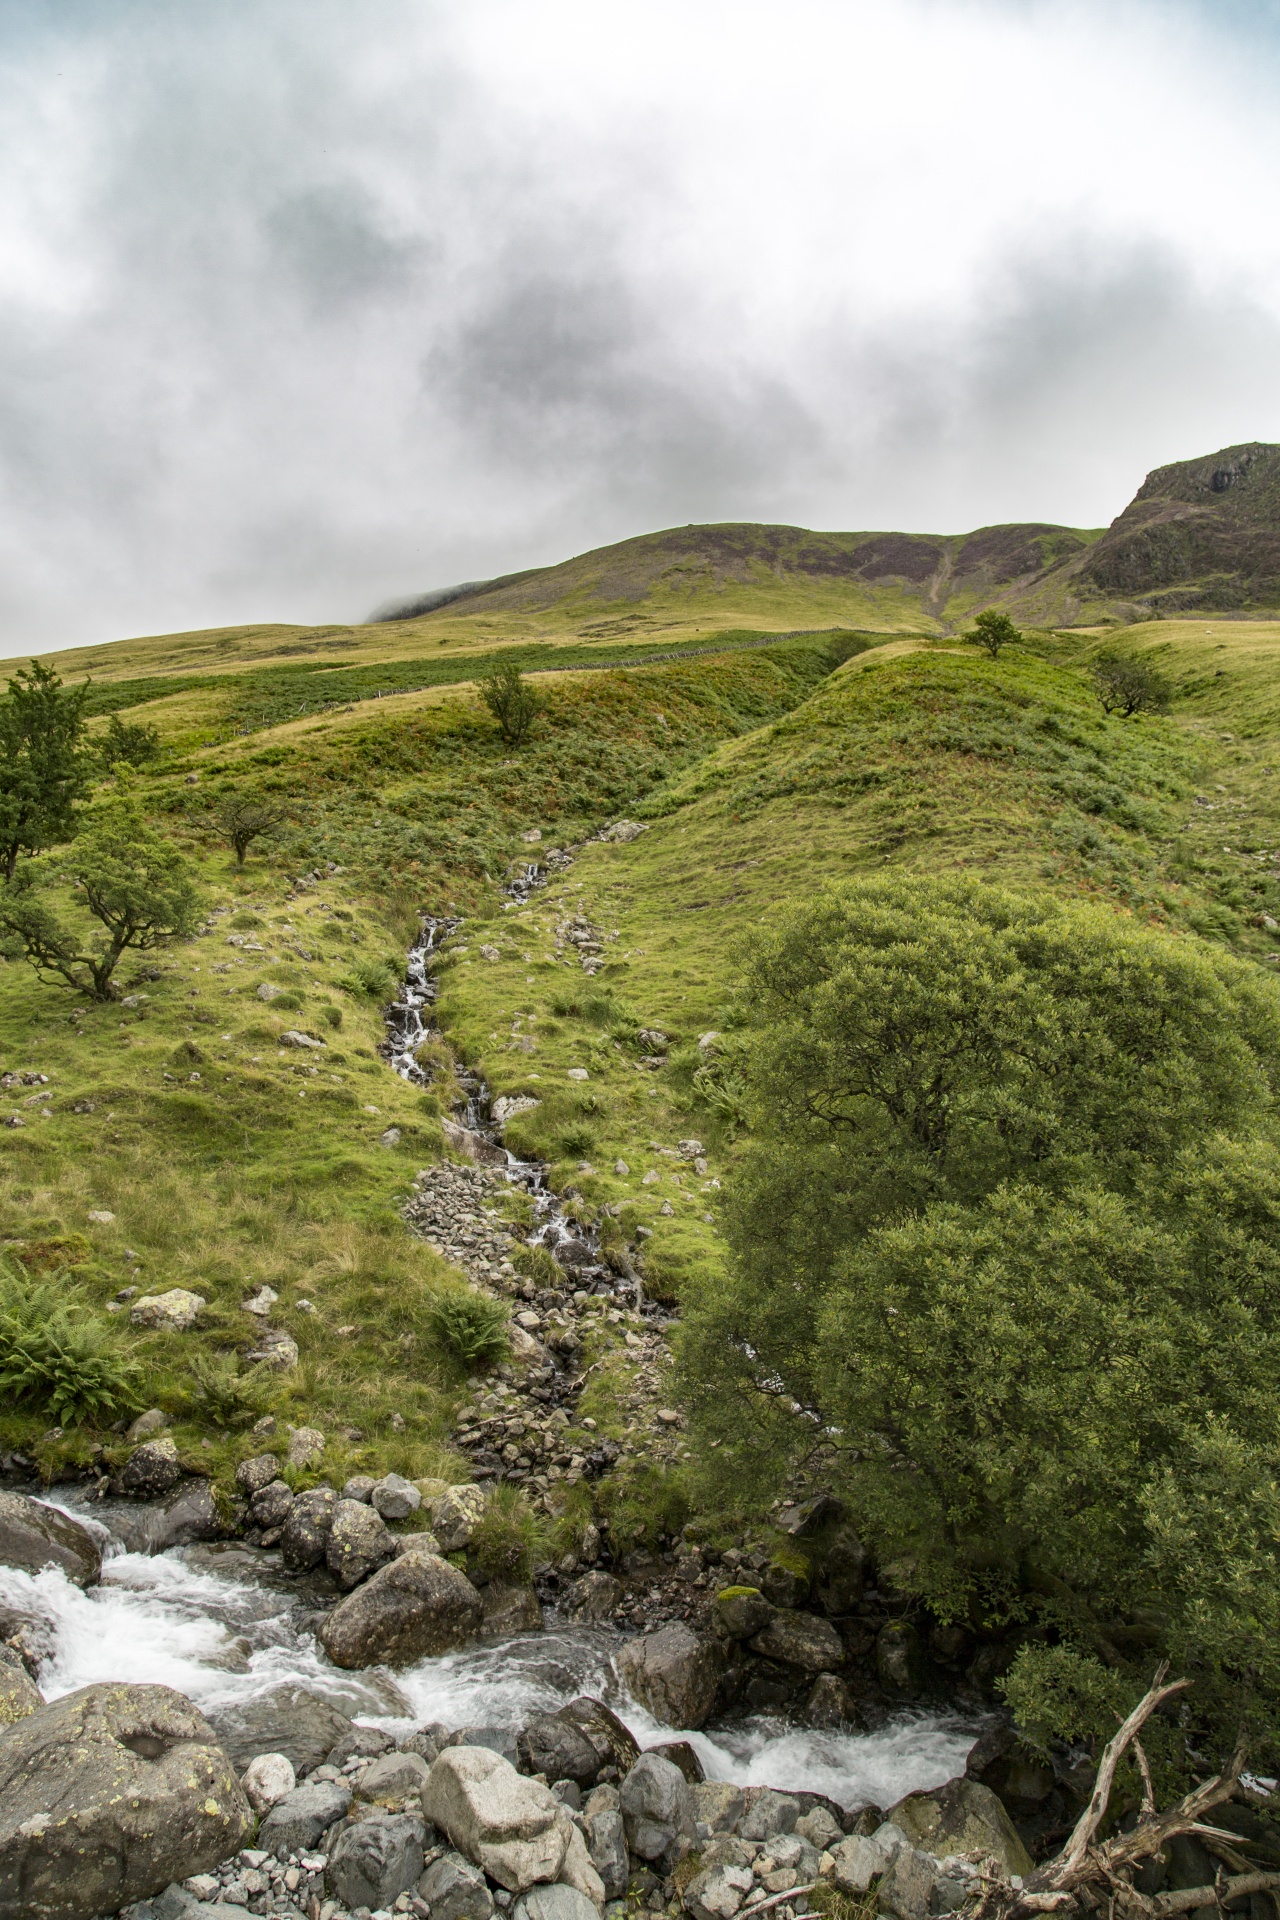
(308, 304)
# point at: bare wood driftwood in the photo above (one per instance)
(1086, 1874)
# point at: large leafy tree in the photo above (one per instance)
(1005, 1258)
(130, 888)
(44, 769)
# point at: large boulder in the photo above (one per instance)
(550, 1744)
(306, 1531)
(33, 1535)
(800, 1640)
(657, 1811)
(152, 1469)
(415, 1606)
(514, 1828)
(288, 1719)
(297, 1821)
(359, 1542)
(613, 1742)
(741, 1611)
(184, 1516)
(376, 1860)
(108, 1795)
(673, 1673)
(961, 1817)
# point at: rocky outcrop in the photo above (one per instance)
(415, 1606)
(108, 1795)
(33, 1535)
(291, 1720)
(673, 1673)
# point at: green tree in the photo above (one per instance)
(1126, 685)
(124, 876)
(132, 741)
(1005, 1249)
(512, 702)
(993, 630)
(246, 817)
(43, 768)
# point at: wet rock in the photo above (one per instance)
(151, 1469)
(187, 1515)
(455, 1515)
(455, 1890)
(394, 1777)
(19, 1694)
(552, 1745)
(357, 1544)
(306, 1531)
(800, 1640)
(606, 1839)
(33, 1535)
(509, 1610)
(673, 1673)
(288, 1719)
(741, 1611)
(171, 1312)
(612, 1741)
(961, 1817)
(268, 1779)
(682, 1755)
(595, 1597)
(657, 1811)
(108, 1795)
(270, 1505)
(718, 1893)
(1015, 1773)
(771, 1813)
(302, 1816)
(898, 1663)
(415, 1606)
(376, 1860)
(831, 1703)
(253, 1475)
(395, 1497)
(558, 1902)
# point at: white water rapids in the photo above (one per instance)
(222, 1623)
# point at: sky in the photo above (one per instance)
(306, 306)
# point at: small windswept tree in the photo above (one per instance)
(132, 741)
(993, 630)
(136, 885)
(1127, 685)
(44, 770)
(512, 702)
(246, 817)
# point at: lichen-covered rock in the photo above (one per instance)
(108, 1795)
(172, 1312)
(306, 1531)
(415, 1606)
(673, 1673)
(395, 1497)
(306, 1444)
(741, 1611)
(269, 1508)
(962, 1817)
(376, 1860)
(358, 1543)
(800, 1640)
(33, 1535)
(455, 1515)
(253, 1475)
(287, 1719)
(152, 1469)
(19, 1694)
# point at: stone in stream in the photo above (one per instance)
(33, 1535)
(152, 1469)
(306, 1531)
(376, 1860)
(358, 1543)
(800, 1640)
(673, 1673)
(302, 1816)
(187, 1515)
(288, 1719)
(657, 1811)
(415, 1606)
(108, 1795)
(550, 1744)
(509, 1610)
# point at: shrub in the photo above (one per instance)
(246, 817)
(512, 702)
(131, 741)
(470, 1326)
(56, 1356)
(373, 979)
(510, 1539)
(1127, 685)
(224, 1395)
(331, 1015)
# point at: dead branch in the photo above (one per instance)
(1064, 1870)
(1188, 1897)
